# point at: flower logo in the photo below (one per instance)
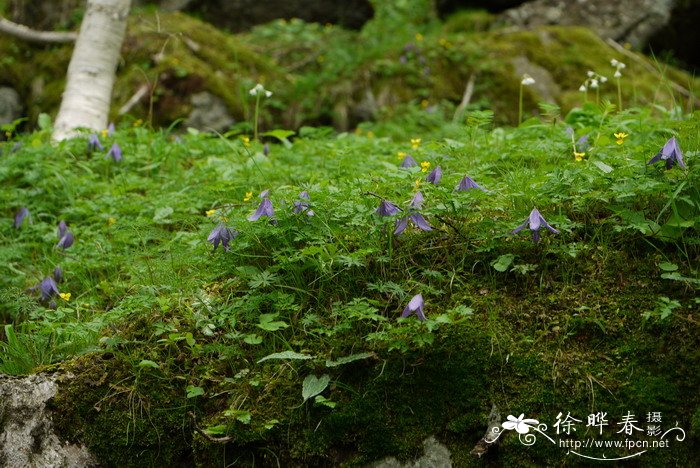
(521, 425)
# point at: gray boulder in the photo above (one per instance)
(633, 21)
(10, 105)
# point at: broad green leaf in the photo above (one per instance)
(44, 121)
(503, 262)
(193, 391)
(267, 323)
(313, 385)
(240, 415)
(147, 363)
(285, 355)
(668, 266)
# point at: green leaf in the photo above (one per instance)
(348, 359)
(668, 266)
(240, 415)
(267, 323)
(313, 385)
(603, 167)
(44, 121)
(253, 339)
(219, 429)
(147, 363)
(321, 400)
(193, 391)
(281, 135)
(162, 214)
(503, 262)
(285, 355)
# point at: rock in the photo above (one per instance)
(209, 113)
(633, 21)
(10, 105)
(545, 87)
(26, 433)
(435, 455)
(240, 15)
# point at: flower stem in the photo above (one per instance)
(619, 95)
(520, 106)
(255, 123)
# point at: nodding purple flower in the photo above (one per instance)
(94, 143)
(222, 235)
(21, 214)
(264, 194)
(62, 228)
(403, 59)
(671, 153)
(408, 161)
(302, 205)
(435, 176)
(569, 131)
(115, 152)
(467, 183)
(535, 222)
(417, 201)
(415, 305)
(417, 219)
(58, 274)
(110, 129)
(582, 144)
(66, 241)
(48, 288)
(264, 209)
(386, 208)
(266, 149)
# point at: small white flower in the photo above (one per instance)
(258, 88)
(527, 80)
(614, 62)
(590, 73)
(617, 74)
(594, 83)
(603, 79)
(583, 88)
(621, 65)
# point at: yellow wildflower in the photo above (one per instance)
(65, 296)
(415, 143)
(620, 137)
(104, 133)
(138, 123)
(424, 103)
(424, 166)
(400, 155)
(210, 212)
(111, 221)
(370, 134)
(418, 182)
(419, 37)
(248, 196)
(246, 140)
(579, 156)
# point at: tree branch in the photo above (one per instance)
(30, 35)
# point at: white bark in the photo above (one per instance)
(92, 68)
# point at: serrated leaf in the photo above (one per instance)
(267, 323)
(285, 355)
(603, 167)
(348, 359)
(240, 415)
(313, 385)
(161, 215)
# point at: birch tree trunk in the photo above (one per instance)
(92, 67)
